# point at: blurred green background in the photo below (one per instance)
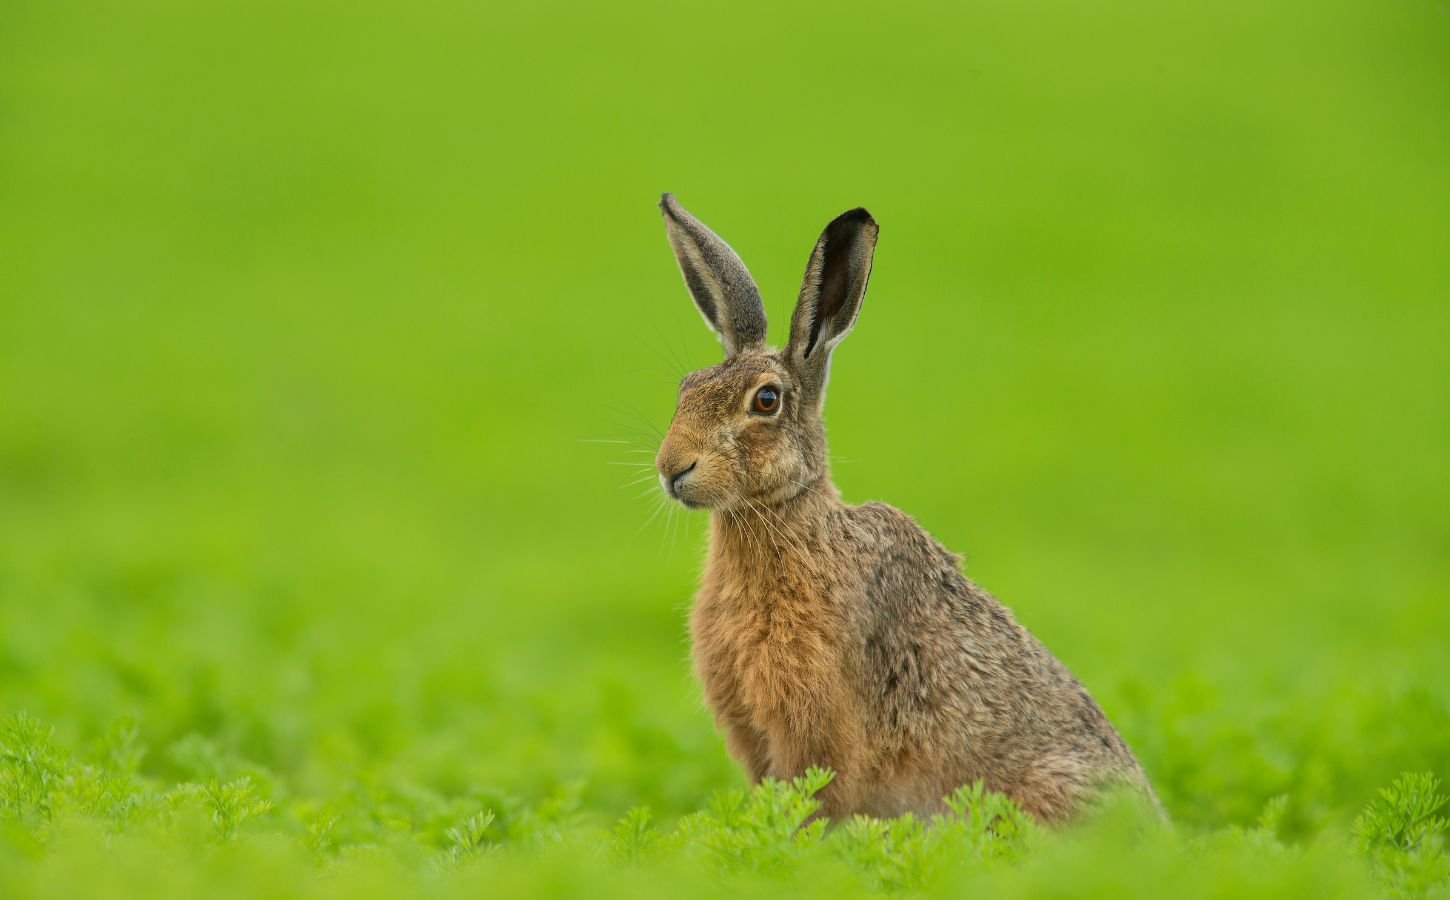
(316, 319)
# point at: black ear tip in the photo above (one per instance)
(852, 222)
(668, 204)
(858, 216)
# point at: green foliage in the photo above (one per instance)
(31, 768)
(996, 826)
(767, 830)
(634, 836)
(233, 805)
(468, 838)
(766, 836)
(905, 853)
(1403, 835)
(1404, 816)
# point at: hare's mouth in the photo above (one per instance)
(678, 485)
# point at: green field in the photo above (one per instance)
(331, 335)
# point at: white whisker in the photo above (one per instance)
(658, 507)
(808, 487)
(802, 556)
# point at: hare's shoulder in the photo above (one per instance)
(912, 580)
(896, 551)
(892, 525)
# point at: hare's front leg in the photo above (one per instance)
(749, 747)
(825, 743)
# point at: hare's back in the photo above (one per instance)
(952, 669)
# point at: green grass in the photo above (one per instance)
(315, 579)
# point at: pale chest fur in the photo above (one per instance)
(772, 651)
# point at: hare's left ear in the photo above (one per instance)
(831, 294)
(724, 292)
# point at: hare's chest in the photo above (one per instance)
(764, 656)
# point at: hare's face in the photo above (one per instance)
(742, 434)
(748, 431)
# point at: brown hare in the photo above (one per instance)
(846, 636)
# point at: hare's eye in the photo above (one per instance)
(767, 401)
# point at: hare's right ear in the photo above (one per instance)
(723, 290)
(831, 295)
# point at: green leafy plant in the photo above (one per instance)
(634, 837)
(233, 805)
(771, 835)
(469, 837)
(764, 830)
(31, 768)
(904, 853)
(1402, 832)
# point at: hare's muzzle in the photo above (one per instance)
(673, 481)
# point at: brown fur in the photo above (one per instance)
(846, 636)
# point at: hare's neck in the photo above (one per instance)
(761, 537)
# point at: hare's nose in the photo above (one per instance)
(672, 482)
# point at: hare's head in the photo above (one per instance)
(749, 429)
